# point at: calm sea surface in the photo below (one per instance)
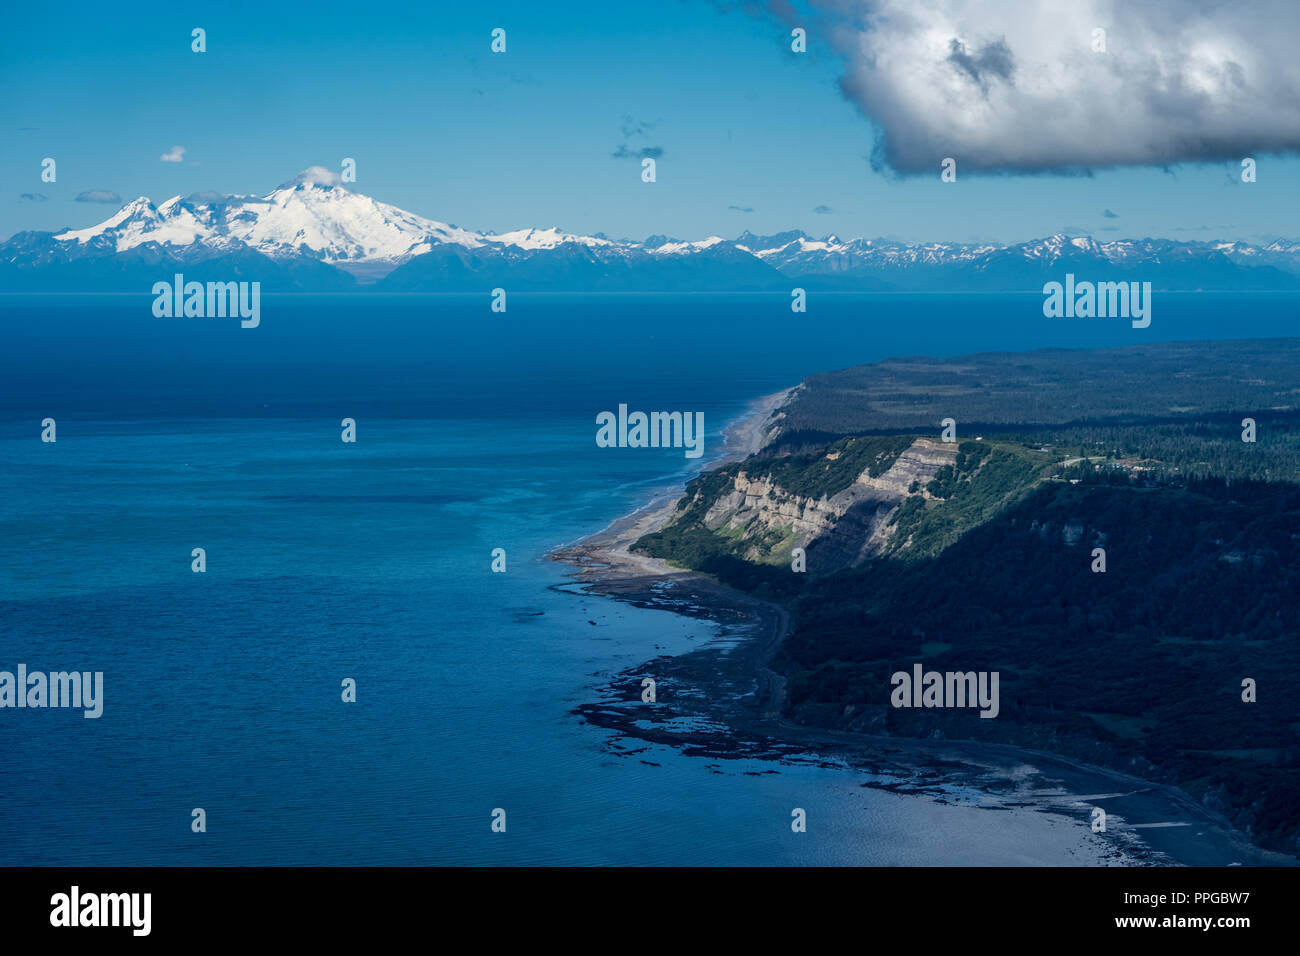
(371, 561)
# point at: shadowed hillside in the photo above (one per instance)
(982, 554)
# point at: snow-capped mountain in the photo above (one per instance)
(318, 237)
(327, 222)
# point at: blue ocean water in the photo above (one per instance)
(372, 561)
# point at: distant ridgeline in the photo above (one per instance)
(1103, 531)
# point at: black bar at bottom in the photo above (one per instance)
(335, 905)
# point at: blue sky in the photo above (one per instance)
(441, 126)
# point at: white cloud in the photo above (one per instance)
(318, 175)
(174, 155)
(1004, 86)
(99, 195)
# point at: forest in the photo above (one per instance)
(992, 564)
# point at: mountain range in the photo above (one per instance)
(313, 237)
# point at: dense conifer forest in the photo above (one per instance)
(990, 564)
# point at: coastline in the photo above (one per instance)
(722, 701)
(605, 555)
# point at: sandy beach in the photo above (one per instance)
(604, 555)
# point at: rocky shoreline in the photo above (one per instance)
(723, 702)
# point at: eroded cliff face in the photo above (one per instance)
(835, 531)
